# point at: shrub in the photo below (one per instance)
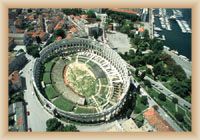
(175, 100)
(162, 97)
(179, 117)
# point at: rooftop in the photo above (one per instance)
(14, 77)
(154, 119)
(124, 11)
(20, 118)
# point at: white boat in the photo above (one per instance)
(157, 29)
(164, 19)
(156, 35)
(177, 13)
(166, 48)
(184, 26)
(163, 37)
(175, 52)
(172, 17)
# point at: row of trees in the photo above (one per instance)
(54, 125)
(33, 50)
(73, 11)
(120, 16)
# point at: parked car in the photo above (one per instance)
(29, 130)
(27, 113)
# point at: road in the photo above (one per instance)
(38, 115)
(186, 65)
(151, 21)
(160, 87)
(161, 112)
(97, 128)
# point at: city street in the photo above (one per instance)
(38, 115)
(159, 86)
(162, 113)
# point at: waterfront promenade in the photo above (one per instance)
(186, 65)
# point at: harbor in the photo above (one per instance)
(169, 24)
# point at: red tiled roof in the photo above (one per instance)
(14, 77)
(154, 119)
(69, 36)
(123, 11)
(84, 16)
(20, 121)
(31, 17)
(41, 34)
(73, 30)
(58, 38)
(141, 29)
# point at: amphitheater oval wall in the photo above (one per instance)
(72, 46)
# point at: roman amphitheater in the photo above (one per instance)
(81, 80)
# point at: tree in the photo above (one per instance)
(71, 128)
(148, 71)
(21, 50)
(174, 100)
(73, 11)
(155, 107)
(147, 83)
(33, 50)
(98, 19)
(16, 97)
(139, 121)
(138, 89)
(131, 53)
(138, 52)
(146, 35)
(144, 100)
(136, 72)
(158, 69)
(38, 40)
(179, 73)
(143, 75)
(125, 29)
(162, 97)
(179, 117)
(157, 46)
(54, 125)
(91, 14)
(11, 122)
(136, 40)
(137, 110)
(128, 113)
(60, 32)
(181, 88)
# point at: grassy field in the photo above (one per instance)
(169, 106)
(80, 109)
(140, 106)
(83, 82)
(48, 66)
(103, 81)
(47, 77)
(103, 92)
(139, 120)
(51, 92)
(64, 104)
(101, 101)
